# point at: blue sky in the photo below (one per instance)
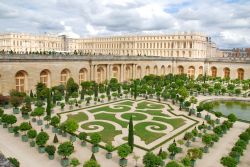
(226, 21)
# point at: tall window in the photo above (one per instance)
(64, 76)
(214, 72)
(226, 73)
(191, 72)
(180, 70)
(83, 75)
(138, 72)
(44, 77)
(240, 74)
(155, 70)
(162, 70)
(147, 70)
(200, 70)
(20, 81)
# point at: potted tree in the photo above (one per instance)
(123, 151)
(71, 126)
(188, 136)
(199, 109)
(16, 131)
(82, 136)
(173, 149)
(65, 150)
(50, 150)
(109, 148)
(10, 120)
(95, 140)
(39, 111)
(1, 114)
(47, 118)
(228, 161)
(41, 140)
(24, 127)
(54, 122)
(194, 154)
(32, 135)
(218, 115)
(16, 102)
(206, 139)
(62, 105)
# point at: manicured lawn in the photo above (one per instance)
(175, 122)
(126, 103)
(149, 105)
(136, 116)
(108, 109)
(153, 112)
(107, 134)
(148, 136)
(79, 117)
(111, 117)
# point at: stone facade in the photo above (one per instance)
(191, 45)
(23, 72)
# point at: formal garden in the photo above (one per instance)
(154, 121)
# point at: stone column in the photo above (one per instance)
(122, 73)
(108, 72)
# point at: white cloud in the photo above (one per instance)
(226, 22)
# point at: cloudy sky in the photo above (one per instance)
(226, 21)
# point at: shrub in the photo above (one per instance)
(82, 136)
(232, 117)
(173, 164)
(244, 136)
(42, 139)
(228, 161)
(50, 149)
(65, 149)
(32, 134)
(124, 150)
(151, 160)
(95, 139)
(74, 162)
(91, 163)
(14, 161)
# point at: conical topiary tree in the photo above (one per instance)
(131, 133)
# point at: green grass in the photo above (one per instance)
(79, 117)
(108, 133)
(108, 109)
(153, 112)
(126, 103)
(148, 136)
(136, 116)
(111, 117)
(175, 122)
(149, 105)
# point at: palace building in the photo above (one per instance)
(103, 58)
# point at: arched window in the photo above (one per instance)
(201, 70)
(128, 73)
(169, 69)
(65, 74)
(147, 70)
(138, 72)
(240, 74)
(180, 70)
(83, 75)
(191, 72)
(100, 75)
(21, 81)
(155, 70)
(226, 72)
(163, 70)
(115, 73)
(45, 78)
(214, 72)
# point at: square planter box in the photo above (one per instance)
(123, 162)
(25, 116)
(10, 129)
(46, 126)
(25, 138)
(205, 149)
(83, 143)
(54, 130)
(33, 119)
(65, 162)
(32, 144)
(108, 155)
(41, 150)
(188, 143)
(5, 125)
(16, 111)
(16, 134)
(39, 122)
(72, 138)
(51, 157)
(95, 149)
(64, 134)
